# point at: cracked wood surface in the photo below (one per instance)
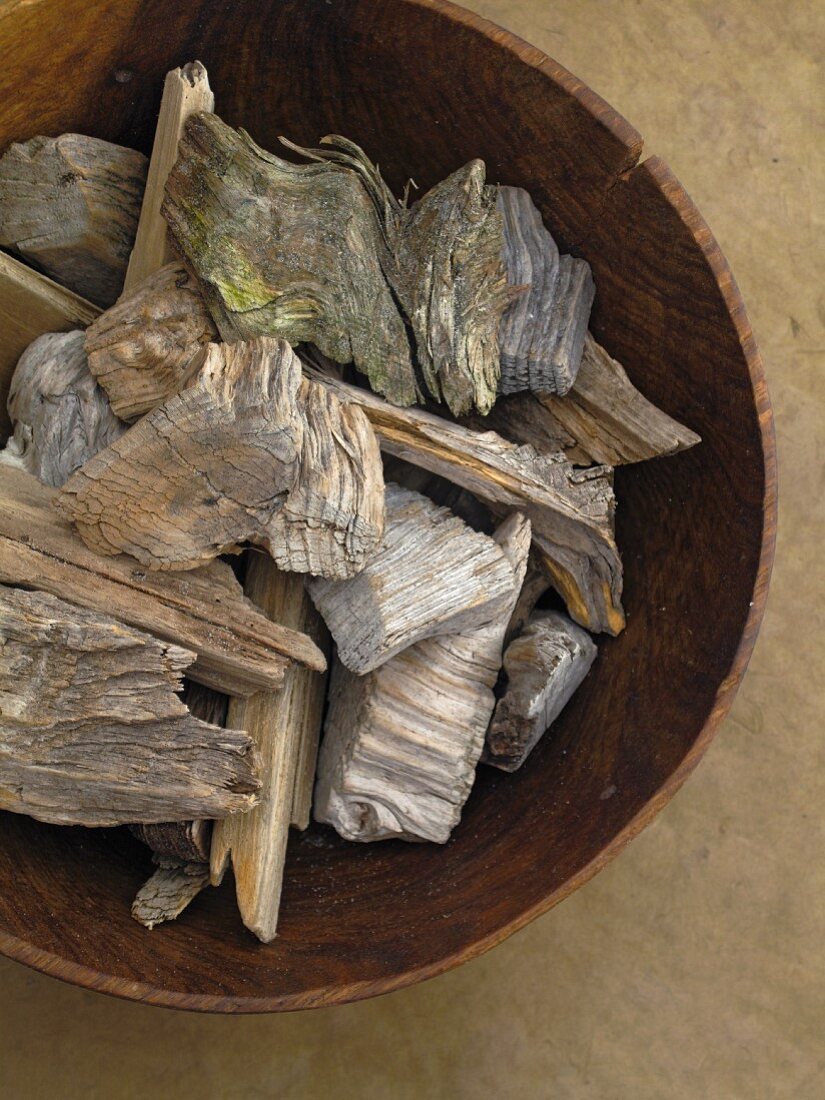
(238, 649)
(92, 731)
(70, 205)
(166, 894)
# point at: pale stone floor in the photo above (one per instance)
(694, 966)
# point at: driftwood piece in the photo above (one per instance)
(247, 452)
(572, 511)
(238, 649)
(542, 332)
(30, 305)
(287, 250)
(61, 416)
(401, 744)
(150, 345)
(431, 575)
(544, 666)
(70, 205)
(167, 893)
(185, 92)
(92, 732)
(283, 726)
(536, 583)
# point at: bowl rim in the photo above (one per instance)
(47, 962)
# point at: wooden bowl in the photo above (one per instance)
(425, 86)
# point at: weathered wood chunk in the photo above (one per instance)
(238, 649)
(169, 891)
(544, 665)
(284, 726)
(91, 730)
(30, 305)
(70, 205)
(61, 416)
(430, 575)
(401, 744)
(572, 511)
(542, 333)
(246, 452)
(185, 92)
(150, 345)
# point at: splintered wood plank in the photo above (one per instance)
(186, 91)
(432, 574)
(238, 649)
(30, 305)
(61, 416)
(92, 731)
(248, 452)
(169, 891)
(542, 332)
(401, 744)
(284, 726)
(545, 666)
(572, 511)
(149, 345)
(70, 204)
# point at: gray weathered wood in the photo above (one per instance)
(71, 204)
(542, 333)
(185, 92)
(401, 744)
(238, 649)
(91, 730)
(150, 345)
(167, 893)
(544, 666)
(246, 452)
(431, 574)
(572, 511)
(61, 416)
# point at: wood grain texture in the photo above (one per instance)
(30, 305)
(431, 575)
(667, 308)
(571, 510)
(543, 666)
(70, 205)
(238, 649)
(185, 92)
(92, 732)
(149, 345)
(61, 416)
(401, 743)
(247, 452)
(167, 893)
(283, 725)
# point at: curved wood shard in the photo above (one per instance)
(430, 575)
(542, 333)
(150, 345)
(544, 665)
(71, 204)
(572, 511)
(240, 455)
(185, 92)
(401, 744)
(61, 416)
(169, 891)
(91, 730)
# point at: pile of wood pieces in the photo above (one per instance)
(393, 411)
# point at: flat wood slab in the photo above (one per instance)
(71, 204)
(92, 731)
(238, 649)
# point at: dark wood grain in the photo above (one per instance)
(425, 86)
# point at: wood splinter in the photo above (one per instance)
(401, 744)
(545, 665)
(92, 731)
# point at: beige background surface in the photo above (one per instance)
(694, 966)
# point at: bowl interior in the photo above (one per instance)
(424, 87)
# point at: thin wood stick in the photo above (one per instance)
(185, 92)
(285, 727)
(31, 304)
